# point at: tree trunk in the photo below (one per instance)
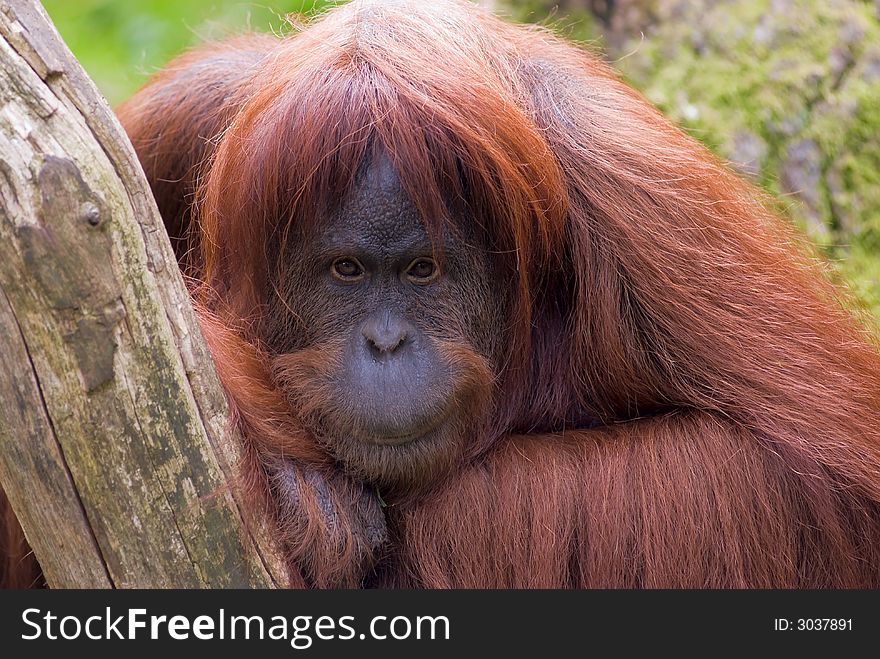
(115, 450)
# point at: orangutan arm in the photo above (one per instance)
(682, 500)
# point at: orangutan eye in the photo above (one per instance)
(422, 271)
(347, 269)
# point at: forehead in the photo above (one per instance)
(376, 212)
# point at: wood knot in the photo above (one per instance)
(90, 213)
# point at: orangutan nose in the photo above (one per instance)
(386, 333)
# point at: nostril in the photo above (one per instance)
(386, 342)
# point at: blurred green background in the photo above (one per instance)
(787, 90)
(120, 42)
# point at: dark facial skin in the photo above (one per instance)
(383, 329)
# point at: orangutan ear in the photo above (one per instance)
(174, 122)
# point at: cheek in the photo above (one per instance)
(307, 313)
(469, 313)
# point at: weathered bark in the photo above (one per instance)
(114, 446)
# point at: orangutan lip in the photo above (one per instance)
(414, 435)
(394, 440)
